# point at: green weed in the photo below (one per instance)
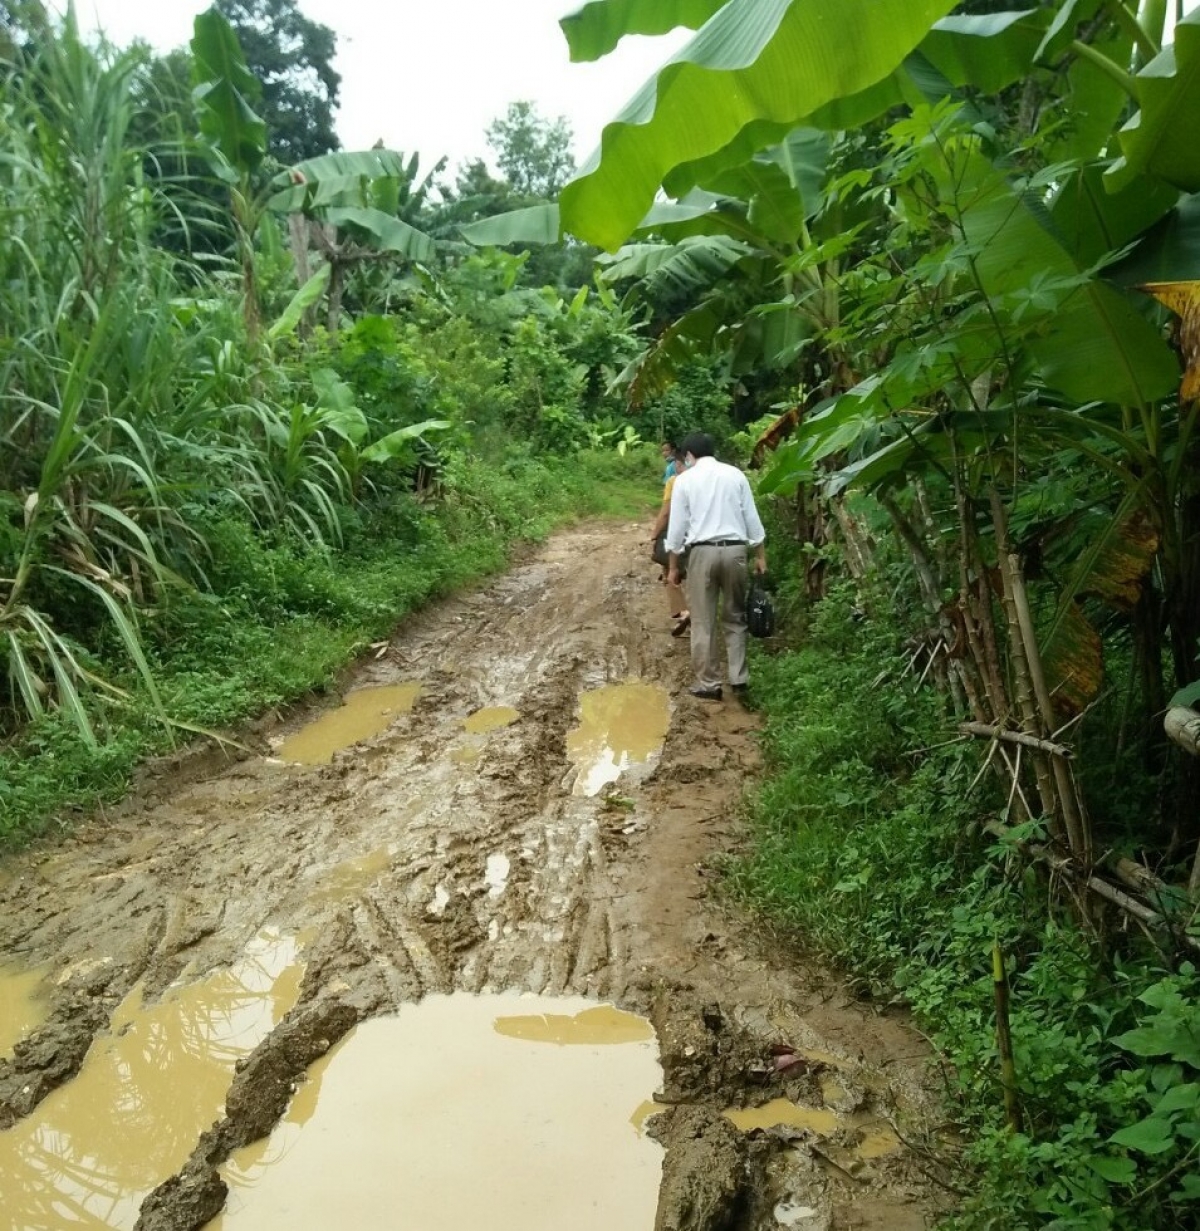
(868, 843)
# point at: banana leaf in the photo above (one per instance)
(754, 60)
(389, 234)
(308, 296)
(340, 178)
(224, 94)
(598, 27)
(1160, 140)
(1096, 346)
(537, 224)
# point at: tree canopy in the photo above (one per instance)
(533, 152)
(292, 57)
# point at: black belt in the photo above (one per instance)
(722, 543)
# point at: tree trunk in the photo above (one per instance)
(1023, 684)
(856, 539)
(337, 282)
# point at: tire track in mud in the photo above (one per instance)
(380, 862)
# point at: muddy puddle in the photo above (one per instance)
(363, 713)
(620, 726)
(861, 1137)
(506, 1111)
(96, 1146)
(493, 718)
(23, 1005)
(352, 876)
(477, 727)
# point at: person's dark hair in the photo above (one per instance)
(698, 444)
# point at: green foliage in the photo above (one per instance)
(697, 401)
(292, 57)
(533, 153)
(870, 845)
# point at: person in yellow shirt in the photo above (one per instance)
(676, 602)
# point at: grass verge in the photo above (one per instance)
(868, 843)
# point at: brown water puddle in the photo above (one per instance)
(23, 1006)
(442, 1118)
(362, 714)
(352, 876)
(782, 1113)
(876, 1139)
(493, 718)
(621, 725)
(94, 1148)
(601, 1026)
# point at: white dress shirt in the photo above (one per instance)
(712, 501)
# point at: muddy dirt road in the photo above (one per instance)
(533, 806)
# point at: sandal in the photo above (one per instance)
(684, 624)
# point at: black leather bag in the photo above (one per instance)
(760, 611)
(659, 552)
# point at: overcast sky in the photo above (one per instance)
(430, 75)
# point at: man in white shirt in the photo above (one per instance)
(714, 520)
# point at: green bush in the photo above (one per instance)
(868, 844)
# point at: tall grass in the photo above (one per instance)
(128, 398)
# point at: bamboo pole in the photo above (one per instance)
(1074, 817)
(1023, 686)
(931, 591)
(991, 731)
(1008, 1065)
(974, 614)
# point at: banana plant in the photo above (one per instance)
(336, 414)
(757, 69)
(351, 202)
(353, 205)
(233, 135)
(754, 257)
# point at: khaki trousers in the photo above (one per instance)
(717, 577)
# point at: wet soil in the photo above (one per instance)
(482, 840)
